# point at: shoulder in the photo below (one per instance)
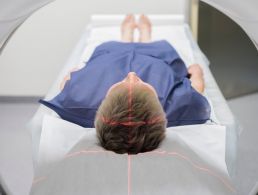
(184, 94)
(184, 86)
(198, 106)
(186, 105)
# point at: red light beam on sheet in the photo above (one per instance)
(86, 152)
(158, 152)
(37, 180)
(128, 174)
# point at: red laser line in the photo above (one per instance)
(130, 102)
(132, 123)
(128, 174)
(85, 152)
(129, 122)
(173, 153)
(196, 166)
(37, 180)
(130, 113)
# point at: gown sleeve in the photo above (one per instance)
(186, 106)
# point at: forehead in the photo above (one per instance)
(132, 86)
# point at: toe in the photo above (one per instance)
(127, 18)
(141, 17)
(132, 18)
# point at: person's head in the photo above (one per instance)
(130, 119)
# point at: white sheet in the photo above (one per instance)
(190, 160)
(59, 137)
(175, 34)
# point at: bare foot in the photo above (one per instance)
(127, 28)
(144, 26)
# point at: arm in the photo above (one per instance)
(196, 77)
(67, 77)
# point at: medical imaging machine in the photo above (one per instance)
(196, 159)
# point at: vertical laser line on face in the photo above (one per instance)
(130, 102)
(129, 138)
(130, 112)
(129, 174)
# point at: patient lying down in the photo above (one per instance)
(131, 91)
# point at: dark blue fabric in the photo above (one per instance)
(156, 63)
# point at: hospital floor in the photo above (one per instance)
(16, 164)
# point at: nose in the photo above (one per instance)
(132, 77)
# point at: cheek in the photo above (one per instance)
(152, 89)
(109, 90)
(112, 87)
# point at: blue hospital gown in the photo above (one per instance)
(156, 63)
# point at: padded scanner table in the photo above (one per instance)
(104, 28)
